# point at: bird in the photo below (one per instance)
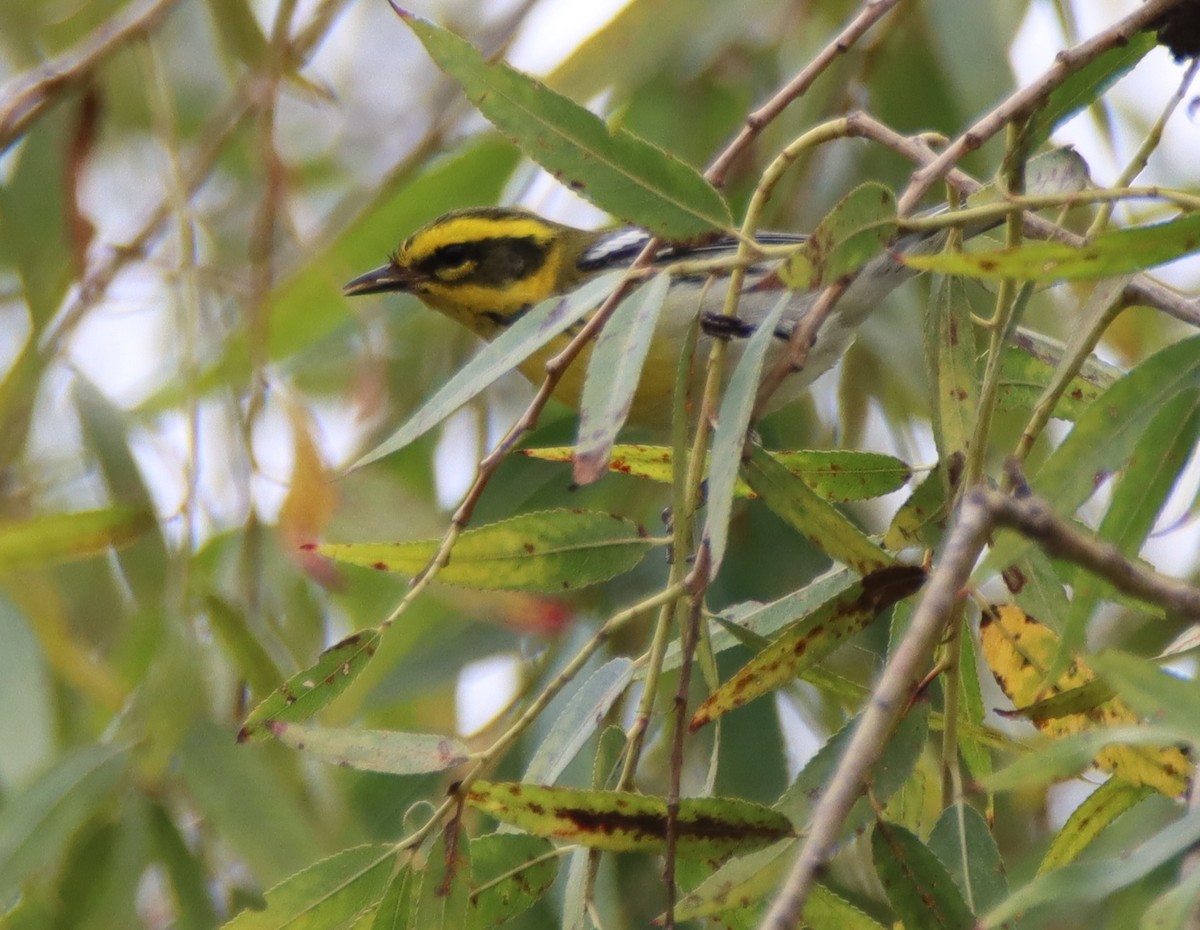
(484, 267)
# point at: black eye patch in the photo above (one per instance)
(453, 255)
(492, 262)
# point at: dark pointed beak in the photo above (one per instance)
(379, 280)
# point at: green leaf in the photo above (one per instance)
(1083, 88)
(66, 537)
(794, 502)
(1090, 819)
(37, 823)
(921, 519)
(951, 356)
(1138, 496)
(374, 750)
(1105, 255)
(917, 883)
(613, 372)
(509, 874)
(441, 897)
(325, 895)
(963, 842)
(834, 474)
(622, 821)
(857, 229)
(1106, 434)
(550, 551)
(810, 639)
(615, 170)
(1023, 379)
(1065, 703)
(308, 691)
(729, 441)
(888, 775)
(1153, 693)
(498, 357)
(1067, 756)
(239, 32)
(1093, 881)
(585, 711)
(394, 910)
(740, 880)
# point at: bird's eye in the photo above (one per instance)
(452, 255)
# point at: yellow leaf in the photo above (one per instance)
(1020, 651)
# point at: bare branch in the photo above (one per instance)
(871, 12)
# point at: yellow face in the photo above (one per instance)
(483, 267)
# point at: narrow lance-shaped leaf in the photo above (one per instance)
(729, 441)
(1103, 256)
(500, 356)
(918, 885)
(65, 537)
(308, 691)
(548, 551)
(585, 711)
(374, 750)
(834, 474)
(794, 502)
(622, 821)
(743, 878)
(441, 899)
(760, 622)
(395, 907)
(921, 519)
(1089, 820)
(950, 354)
(808, 641)
(963, 842)
(614, 169)
(614, 370)
(1023, 380)
(326, 894)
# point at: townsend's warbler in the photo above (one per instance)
(484, 267)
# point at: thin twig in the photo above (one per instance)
(871, 12)
(1030, 97)
(1034, 518)
(689, 635)
(29, 95)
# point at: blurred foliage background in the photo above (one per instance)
(183, 381)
